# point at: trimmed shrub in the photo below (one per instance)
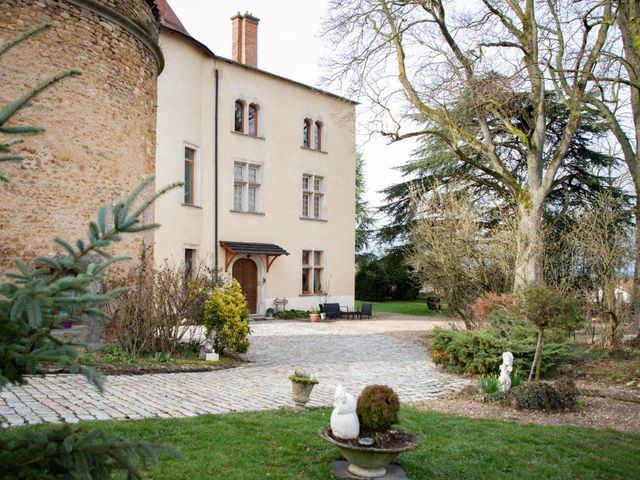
(226, 314)
(541, 396)
(378, 407)
(480, 352)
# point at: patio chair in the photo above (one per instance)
(366, 310)
(331, 310)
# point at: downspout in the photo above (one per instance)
(215, 174)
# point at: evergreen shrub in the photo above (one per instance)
(378, 407)
(542, 396)
(480, 352)
(226, 314)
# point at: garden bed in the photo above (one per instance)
(146, 368)
(112, 360)
(595, 412)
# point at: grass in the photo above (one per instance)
(409, 307)
(284, 444)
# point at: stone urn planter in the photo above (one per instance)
(371, 461)
(301, 386)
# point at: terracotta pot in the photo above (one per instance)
(314, 317)
(300, 392)
(369, 462)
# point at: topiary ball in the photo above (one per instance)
(378, 407)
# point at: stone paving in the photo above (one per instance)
(344, 353)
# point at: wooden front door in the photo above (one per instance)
(245, 271)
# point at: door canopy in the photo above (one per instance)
(269, 250)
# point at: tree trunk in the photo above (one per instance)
(635, 297)
(529, 247)
(537, 358)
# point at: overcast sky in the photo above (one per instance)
(288, 44)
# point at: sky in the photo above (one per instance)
(289, 45)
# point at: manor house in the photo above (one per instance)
(268, 166)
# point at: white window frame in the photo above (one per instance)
(313, 196)
(246, 184)
(311, 267)
(197, 201)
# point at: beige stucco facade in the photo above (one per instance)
(187, 118)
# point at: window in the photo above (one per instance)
(237, 197)
(189, 262)
(312, 196)
(246, 187)
(306, 133)
(237, 172)
(253, 120)
(253, 202)
(317, 136)
(312, 271)
(239, 116)
(189, 175)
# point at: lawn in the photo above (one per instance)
(411, 307)
(284, 444)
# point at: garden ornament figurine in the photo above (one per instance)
(505, 371)
(344, 419)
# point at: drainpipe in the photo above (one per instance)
(215, 174)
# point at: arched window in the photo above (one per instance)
(317, 136)
(239, 116)
(253, 120)
(306, 133)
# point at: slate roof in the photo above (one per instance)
(250, 247)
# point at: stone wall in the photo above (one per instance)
(100, 127)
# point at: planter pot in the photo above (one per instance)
(300, 392)
(369, 462)
(314, 317)
(323, 316)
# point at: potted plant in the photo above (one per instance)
(302, 384)
(377, 445)
(314, 316)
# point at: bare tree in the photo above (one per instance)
(452, 252)
(617, 99)
(600, 246)
(416, 59)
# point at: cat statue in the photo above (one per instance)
(344, 419)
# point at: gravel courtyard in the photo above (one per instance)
(352, 353)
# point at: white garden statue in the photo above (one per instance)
(505, 371)
(344, 419)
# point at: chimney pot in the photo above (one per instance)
(244, 48)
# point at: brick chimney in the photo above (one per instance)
(245, 39)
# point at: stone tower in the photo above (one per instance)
(100, 127)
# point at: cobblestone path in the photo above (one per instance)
(337, 354)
